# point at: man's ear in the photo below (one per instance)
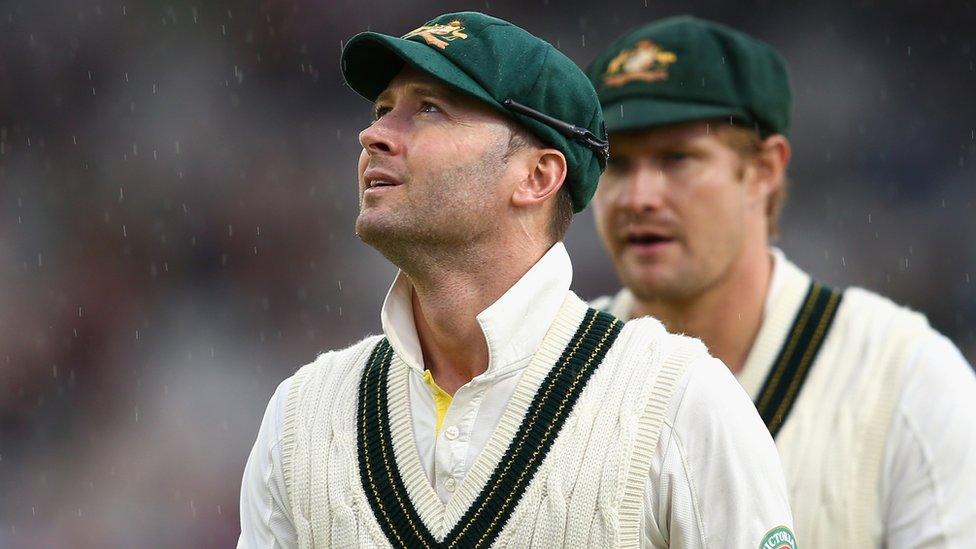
(546, 173)
(771, 162)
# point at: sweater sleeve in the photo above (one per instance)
(265, 512)
(719, 482)
(929, 478)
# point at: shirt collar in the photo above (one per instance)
(513, 326)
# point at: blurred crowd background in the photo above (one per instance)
(178, 193)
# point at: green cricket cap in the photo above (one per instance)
(682, 69)
(520, 75)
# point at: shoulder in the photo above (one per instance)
(648, 335)
(875, 314)
(335, 364)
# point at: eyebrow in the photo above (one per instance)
(417, 89)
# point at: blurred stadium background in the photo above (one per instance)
(178, 192)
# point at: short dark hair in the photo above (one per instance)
(562, 213)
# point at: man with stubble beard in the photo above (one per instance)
(496, 408)
(873, 411)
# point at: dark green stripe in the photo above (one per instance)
(377, 465)
(793, 363)
(540, 426)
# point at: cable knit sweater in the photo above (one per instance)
(588, 491)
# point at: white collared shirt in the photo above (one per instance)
(715, 480)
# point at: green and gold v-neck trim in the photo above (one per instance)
(401, 498)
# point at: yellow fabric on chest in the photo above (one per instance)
(442, 400)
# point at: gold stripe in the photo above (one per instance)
(790, 348)
(369, 469)
(386, 464)
(812, 346)
(521, 443)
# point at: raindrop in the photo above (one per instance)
(124, 234)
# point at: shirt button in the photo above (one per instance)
(450, 484)
(451, 432)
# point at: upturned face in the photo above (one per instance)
(671, 209)
(432, 169)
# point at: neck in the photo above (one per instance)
(447, 299)
(727, 316)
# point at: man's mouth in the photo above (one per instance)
(646, 242)
(379, 179)
(647, 239)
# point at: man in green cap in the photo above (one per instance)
(497, 408)
(873, 411)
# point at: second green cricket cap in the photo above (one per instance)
(496, 62)
(682, 69)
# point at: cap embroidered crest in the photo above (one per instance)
(646, 62)
(439, 35)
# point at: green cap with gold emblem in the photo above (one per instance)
(683, 69)
(520, 75)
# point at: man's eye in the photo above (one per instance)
(427, 106)
(675, 156)
(378, 112)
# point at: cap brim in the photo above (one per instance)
(371, 60)
(643, 112)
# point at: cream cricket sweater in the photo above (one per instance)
(588, 492)
(880, 447)
(714, 478)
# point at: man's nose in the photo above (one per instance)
(645, 188)
(382, 136)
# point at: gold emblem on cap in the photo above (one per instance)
(439, 35)
(646, 62)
